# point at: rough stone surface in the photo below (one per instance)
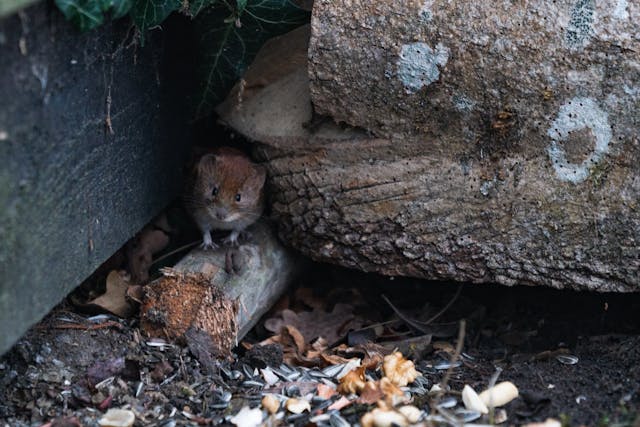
(477, 72)
(500, 144)
(71, 191)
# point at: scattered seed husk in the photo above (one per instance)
(448, 402)
(446, 365)
(117, 418)
(499, 395)
(472, 401)
(269, 377)
(337, 421)
(466, 416)
(567, 359)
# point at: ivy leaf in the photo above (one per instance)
(84, 14)
(119, 7)
(196, 6)
(88, 14)
(229, 40)
(150, 13)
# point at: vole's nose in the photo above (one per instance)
(221, 214)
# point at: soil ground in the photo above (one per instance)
(68, 366)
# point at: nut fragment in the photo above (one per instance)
(399, 370)
(270, 403)
(117, 418)
(383, 418)
(247, 417)
(353, 382)
(297, 406)
(499, 395)
(549, 422)
(411, 413)
(472, 401)
(392, 393)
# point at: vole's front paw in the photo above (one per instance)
(207, 242)
(232, 238)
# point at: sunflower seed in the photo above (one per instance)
(567, 359)
(337, 421)
(449, 402)
(467, 416)
(446, 365)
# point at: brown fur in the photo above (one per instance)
(233, 174)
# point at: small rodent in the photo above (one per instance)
(227, 193)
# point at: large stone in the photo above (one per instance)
(91, 150)
(499, 143)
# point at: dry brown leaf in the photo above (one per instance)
(291, 336)
(151, 240)
(324, 391)
(306, 296)
(399, 370)
(320, 344)
(317, 323)
(343, 402)
(135, 293)
(353, 382)
(382, 391)
(333, 359)
(444, 346)
(371, 393)
(114, 300)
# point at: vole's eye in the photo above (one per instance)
(238, 197)
(214, 192)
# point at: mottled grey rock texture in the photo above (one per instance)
(500, 142)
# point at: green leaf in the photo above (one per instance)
(150, 13)
(88, 14)
(196, 6)
(84, 14)
(229, 41)
(120, 7)
(240, 5)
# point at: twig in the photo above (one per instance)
(445, 308)
(454, 359)
(175, 251)
(492, 382)
(408, 321)
(420, 325)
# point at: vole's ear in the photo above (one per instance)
(261, 175)
(206, 164)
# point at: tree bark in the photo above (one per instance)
(199, 294)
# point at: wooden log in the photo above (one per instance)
(88, 149)
(200, 296)
(515, 166)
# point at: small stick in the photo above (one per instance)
(175, 251)
(454, 359)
